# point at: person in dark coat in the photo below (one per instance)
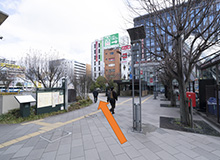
(95, 95)
(112, 98)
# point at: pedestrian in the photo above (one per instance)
(112, 98)
(95, 95)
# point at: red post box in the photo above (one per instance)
(192, 96)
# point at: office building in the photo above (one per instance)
(112, 64)
(97, 54)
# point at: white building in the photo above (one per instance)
(97, 59)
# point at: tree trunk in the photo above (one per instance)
(184, 109)
(171, 95)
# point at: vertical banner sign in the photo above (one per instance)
(101, 50)
(96, 50)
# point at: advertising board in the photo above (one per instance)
(111, 41)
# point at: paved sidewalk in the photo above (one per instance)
(85, 134)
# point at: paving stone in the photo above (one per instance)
(106, 155)
(6, 156)
(204, 146)
(23, 152)
(41, 144)
(77, 142)
(89, 144)
(200, 158)
(79, 158)
(165, 155)
(137, 144)
(152, 146)
(204, 153)
(52, 146)
(122, 157)
(35, 154)
(64, 149)
(169, 149)
(181, 156)
(148, 154)
(185, 144)
(21, 158)
(63, 157)
(116, 149)
(110, 140)
(49, 155)
(140, 158)
(217, 152)
(102, 147)
(187, 151)
(77, 152)
(132, 152)
(12, 149)
(91, 154)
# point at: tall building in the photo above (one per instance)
(97, 53)
(73, 70)
(148, 55)
(112, 64)
(97, 62)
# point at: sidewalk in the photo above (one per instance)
(85, 134)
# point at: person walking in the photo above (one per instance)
(112, 98)
(95, 95)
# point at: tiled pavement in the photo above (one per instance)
(92, 137)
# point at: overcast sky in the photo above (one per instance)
(68, 26)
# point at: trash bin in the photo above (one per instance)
(212, 105)
(25, 109)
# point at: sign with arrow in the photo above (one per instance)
(103, 106)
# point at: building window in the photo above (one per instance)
(94, 68)
(94, 57)
(95, 75)
(111, 65)
(94, 51)
(99, 68)
(111, 59)
(99, 50)
(111, 70)
(94, 63)
(99, 56)
(99, 62)
(111, 53)
(94, 45)
(99, 74)
(99, 44)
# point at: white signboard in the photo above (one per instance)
(49, 99)
(25, 99)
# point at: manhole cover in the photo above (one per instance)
(55, 135)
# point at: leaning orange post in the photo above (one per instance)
(103, 106)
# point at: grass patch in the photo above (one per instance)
(13, 116)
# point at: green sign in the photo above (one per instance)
(101, 50)
(111, 41)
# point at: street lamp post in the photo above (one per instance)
(136, 34)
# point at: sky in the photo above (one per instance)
(67, 26)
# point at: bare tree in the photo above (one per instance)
(176, 22)
(45, 67)
(81, 84)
